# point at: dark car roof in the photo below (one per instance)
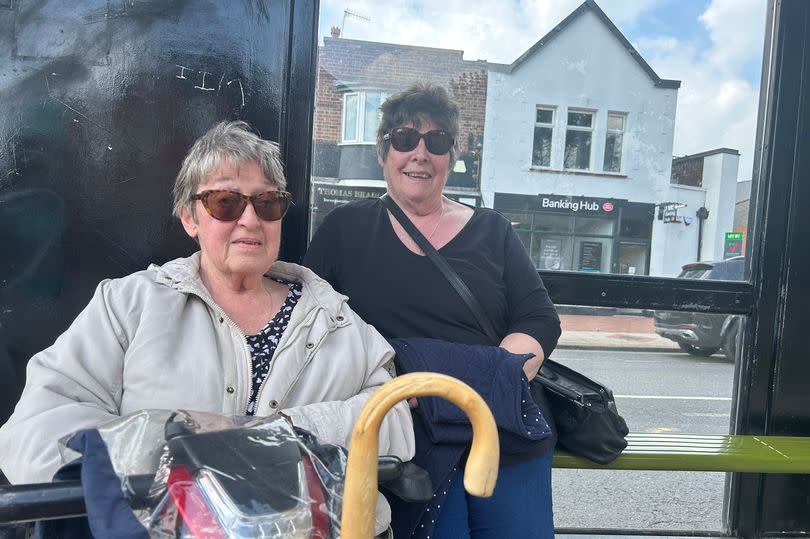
(730, 269)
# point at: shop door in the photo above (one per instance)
(632, 258)
(100, 102)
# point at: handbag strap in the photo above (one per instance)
(449, 273)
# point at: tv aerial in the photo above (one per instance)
(352, 15)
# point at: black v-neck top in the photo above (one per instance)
(403, 294)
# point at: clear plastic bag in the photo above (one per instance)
(202, 475)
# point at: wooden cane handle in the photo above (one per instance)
(360, 491)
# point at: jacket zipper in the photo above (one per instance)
(243, 408)
(218, 309)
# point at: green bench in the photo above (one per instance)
(704, 453)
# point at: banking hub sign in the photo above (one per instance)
(578, 205)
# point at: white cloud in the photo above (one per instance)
(737, 29)
(717, 106)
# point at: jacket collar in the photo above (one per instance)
(183, 274)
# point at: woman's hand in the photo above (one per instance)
(521, 343)
(532, 367)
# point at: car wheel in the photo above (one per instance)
(697, 350)
(730, 343)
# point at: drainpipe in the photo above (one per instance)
(702, 214)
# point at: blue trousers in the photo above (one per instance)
(519, 507)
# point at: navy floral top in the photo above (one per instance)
(263, 344)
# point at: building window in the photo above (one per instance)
(543, 129)
(361, 115)
(613, 142)
(578, 140)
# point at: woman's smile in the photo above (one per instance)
(418, 175)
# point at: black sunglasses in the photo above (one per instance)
(406, 139)
(229, 205)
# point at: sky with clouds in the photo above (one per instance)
(714, 47)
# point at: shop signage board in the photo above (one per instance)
(733, 244)
(590, 256)
(578, 205)
(327, 196)
(551, 253)
(572, 205)
(330, 196)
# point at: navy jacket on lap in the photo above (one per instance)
(443, 432)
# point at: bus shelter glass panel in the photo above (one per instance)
(670, 372)
(614, 144)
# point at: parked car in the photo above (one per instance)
(703, 334)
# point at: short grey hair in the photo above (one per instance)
(234, 141)
(419, 103)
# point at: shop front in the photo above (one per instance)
(587, 234)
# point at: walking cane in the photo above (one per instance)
(360, 491)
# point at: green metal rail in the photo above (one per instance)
(704, 453)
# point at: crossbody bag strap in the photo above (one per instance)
(449, 273)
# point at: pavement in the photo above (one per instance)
(612, 332)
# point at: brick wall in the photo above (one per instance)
(469, 91)
(687, 171)
(328, 108)
(345, 64)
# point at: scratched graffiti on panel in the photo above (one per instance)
(8, 156)
(200, 77)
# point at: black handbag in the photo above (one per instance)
(588, 423)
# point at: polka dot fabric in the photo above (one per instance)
(263, 344)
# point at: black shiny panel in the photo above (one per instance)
(643, 292)
(296, 121)
(774, 373)
(786, 500)
(99, 101)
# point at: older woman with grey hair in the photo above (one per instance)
(229, 329)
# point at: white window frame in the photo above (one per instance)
(589, 130)
(608, 132)
(361, 113)
(550, 126)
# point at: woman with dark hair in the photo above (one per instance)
(364, 252)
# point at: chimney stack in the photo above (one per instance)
(336, 31)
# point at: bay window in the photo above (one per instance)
(361, 115)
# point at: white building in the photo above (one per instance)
(578, 153)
